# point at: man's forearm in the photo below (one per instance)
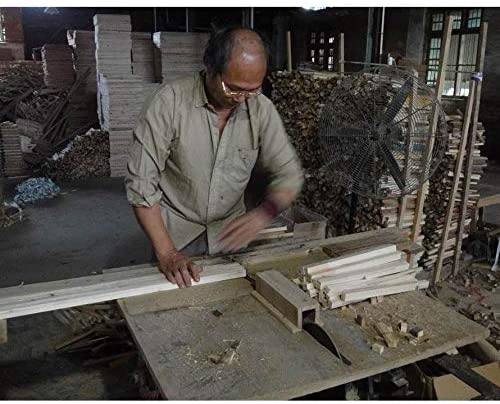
(277, 201)
(152, 223)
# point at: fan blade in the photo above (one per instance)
(346, 132)
(392, 165)
(398, 101)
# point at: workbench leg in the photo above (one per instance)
(3, 331)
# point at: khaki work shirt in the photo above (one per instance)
(179, 160)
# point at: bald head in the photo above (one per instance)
(234, 45)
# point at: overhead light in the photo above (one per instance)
(51, 10)
(314, 8)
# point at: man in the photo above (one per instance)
(194, 149)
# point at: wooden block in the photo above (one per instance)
(386, 332)
(403, 326)
(417, 332)
(361, 320)
(3, 331)
(365, 293)
(380, 299)
(286, 297)
(378, 348)
(373, 300)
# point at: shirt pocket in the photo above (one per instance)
(243, 161)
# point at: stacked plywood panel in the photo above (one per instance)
(83, 44)
(441, 183)
(181, 53)
(357, 276)
(11, 157)
(57, 63)
(121, 101)
(143, 56)
(113, 44)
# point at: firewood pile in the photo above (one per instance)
(299, 99)
(436, 202)
(84, 157)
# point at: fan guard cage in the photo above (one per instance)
(376, 135)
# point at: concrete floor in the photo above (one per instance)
(88, 228)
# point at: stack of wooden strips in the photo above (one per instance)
(437, 200)
(354, 277)
(114, 284)
(84, 56)
(181, 53)
(113, 44)
(57, 63)
(121, 101)
(11, 156)
(143, 56)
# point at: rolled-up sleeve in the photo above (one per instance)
(150, 150)
(277, 155)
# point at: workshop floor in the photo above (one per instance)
(88, 228)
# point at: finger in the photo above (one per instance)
(235, 241)
(235, 224)
(195, 271)
(179, 280)
(170, 276)
(186, 276)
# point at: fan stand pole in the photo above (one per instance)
(456, 180)
(403, 201)
(443, 58)
(470, 147)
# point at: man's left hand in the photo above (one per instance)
(244, 229)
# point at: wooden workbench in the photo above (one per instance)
(177, 333)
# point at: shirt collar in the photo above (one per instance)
(200, 96)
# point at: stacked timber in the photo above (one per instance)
(299, 99)
(440, 185)
(181, 53)
(11, 156)
(86, 156)
(121, 101)
(143, 56)
(113, 44)
(57, 64)
(360, 275)
(84, 56)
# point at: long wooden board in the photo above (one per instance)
(36, 298)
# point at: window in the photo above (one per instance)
(322, 49)
(462, 53)
(2, 28)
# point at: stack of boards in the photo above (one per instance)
(120, 93)
(351, 278)
(143, 56)
(181, 53)
(83, 103)
(11, 157)
(57, 63)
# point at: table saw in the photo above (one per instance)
(179, 332)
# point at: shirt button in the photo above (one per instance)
(221, 198)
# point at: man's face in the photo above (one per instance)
(242, 78)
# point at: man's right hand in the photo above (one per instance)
(178, 268)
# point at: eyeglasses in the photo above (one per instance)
(231, 93)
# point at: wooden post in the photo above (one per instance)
(411, 128)
(340, 54)
(289, 50)
(470, 148)
(443, 59)
(456, 181)
(3, 331)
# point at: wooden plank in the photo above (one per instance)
(37, 298)
(352, 258)
(372, 272)
(470, 146)
(340, 54)
(488, 200)
(3, 332)
(365, 293)
(454, 188)
(443, 60)
(341, 269)
(188, 297)
(285, 296)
